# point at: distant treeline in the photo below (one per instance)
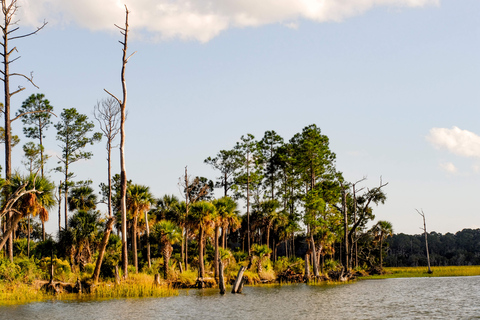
(461, 248)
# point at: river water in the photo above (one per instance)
(407, 298)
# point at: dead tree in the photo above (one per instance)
(123, 172)
(8, 26)
(194, 191)
(107, 114)
(426, 240)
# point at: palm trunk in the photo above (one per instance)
(134, 239)
(186, 249)
(217, 231)
(200, 254)
(28, 241)
(10, 228)
(148, 240)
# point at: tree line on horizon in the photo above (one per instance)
(449, 249)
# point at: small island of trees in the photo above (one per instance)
(277, 210)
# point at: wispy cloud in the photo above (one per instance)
(457, 141)
(197, 19)
(448, 167)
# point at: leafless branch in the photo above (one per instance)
(31, 33)
(19, 90)
(24, 76)
(30, 112)
(113, 96)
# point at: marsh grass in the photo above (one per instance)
(136, 286)
(18, 293)
(410, 272)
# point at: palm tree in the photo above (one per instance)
(139, 200)
(202, 216)
(382, 230)
(269, 209)
(261, 252)
(33, 204)
(82, 198)
(82, 229)
(167, 233)
(225, 208)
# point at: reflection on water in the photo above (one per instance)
(412, 298)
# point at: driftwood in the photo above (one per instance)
(238, 284)
(221, 280)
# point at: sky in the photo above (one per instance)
(392, 83)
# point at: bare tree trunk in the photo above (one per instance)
(28, 241)
(314, 256)
(426, 240)
(307, 268)
(345, 226)
(238, 281)
(200, 254)
(103, 247)
(134, 239)
(217, 231)
(148, 240)
(123, 171)
(221, 282)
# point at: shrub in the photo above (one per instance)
(188, 278)
(9, 271)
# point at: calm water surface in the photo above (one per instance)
(410, 298)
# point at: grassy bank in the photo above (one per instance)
(410, 272)
(136, 286)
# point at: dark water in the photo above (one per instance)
(411, 298)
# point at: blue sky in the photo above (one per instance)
(393, 84)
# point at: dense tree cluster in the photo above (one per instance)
(461, 248)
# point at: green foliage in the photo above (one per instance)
(9, 271)
(240, 256)
(35, 124)
(297, 265)
(188, 278)
(331, 264)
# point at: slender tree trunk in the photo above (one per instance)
(134, 239)
(381, 255)
(248, 204)
(345, 226)
(28, 241)
(103, 247)
(14, 221)
(148, 240)
(217, 231)
(221, 282)
(186, 249)
(314, 256)
(65, 196)
(200, 254)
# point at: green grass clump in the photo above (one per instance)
(17, 293)
(409, 272)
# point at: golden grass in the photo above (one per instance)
(19, 293)
(409, 272)
(136, 286)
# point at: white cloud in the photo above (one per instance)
(460, 142)
(196, 19)
(448, 167)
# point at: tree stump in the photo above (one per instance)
(221, 282)
(156, 279)
(117, 275)
(238, 284)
